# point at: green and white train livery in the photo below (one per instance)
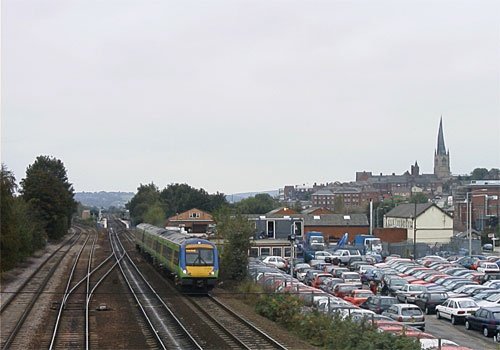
(192, 261)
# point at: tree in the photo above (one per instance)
(155, 215)
(418, 197)
(9, 240)
(235, 230)
(146, 197)
(259, 204)
(479, 174)
(177, 198)
(47, 190)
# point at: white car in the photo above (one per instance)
(322, 254)
(487, 267)
(456, 309)
(409, 292)
(491, 301)
(276, 261)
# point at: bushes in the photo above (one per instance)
(330, 332)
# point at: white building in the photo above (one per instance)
(433, 225)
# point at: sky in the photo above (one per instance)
(239, 96)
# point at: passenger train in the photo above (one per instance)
(193, 262)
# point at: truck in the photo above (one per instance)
(368, 244)
(313, 241)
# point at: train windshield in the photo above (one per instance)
(199, 257)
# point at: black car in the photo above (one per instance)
(428, 301)
(486, 319)
(378, 303)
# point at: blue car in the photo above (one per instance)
(486, 319)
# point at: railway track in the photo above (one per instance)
(169, 331)
(240, 334)
(72, 325)
(16, 310)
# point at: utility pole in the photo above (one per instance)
(414, 228)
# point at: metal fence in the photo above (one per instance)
(456, 246)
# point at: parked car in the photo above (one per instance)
(301, 273)
(428, 301)
(322, 254)
(342, 289)
(396, 283)
(487, 267)
(456, 309)
(276, 261)
(407, 314)
(409, 292)
(351, 277)
(299, 266)
(310, 274)
(358, 296)
(319, 278)
(484, 319)
(378, 303)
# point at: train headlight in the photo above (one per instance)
(212, 272)
(184, 271)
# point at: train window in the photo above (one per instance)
(176, 257)
(199, 257)
(265, 251)
(276, 251)
(254, 252)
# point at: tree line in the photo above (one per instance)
(155, 206)
(37, 210)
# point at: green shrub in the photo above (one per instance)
(327, 331)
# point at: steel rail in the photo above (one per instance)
(44, 282)
(66, 295)
(170, 313)
(118, 259)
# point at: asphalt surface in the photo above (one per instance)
(444, 329)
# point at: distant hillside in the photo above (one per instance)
(236, 197)
(104, 199)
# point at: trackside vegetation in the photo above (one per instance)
(329, 332)
(41, 212)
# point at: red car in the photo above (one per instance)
(358, 296)
(343, 289)
(318, 279)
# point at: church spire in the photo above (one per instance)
(441, 149)
(441, 157)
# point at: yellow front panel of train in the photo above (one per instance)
(200, 271)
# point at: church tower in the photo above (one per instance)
(441, 156)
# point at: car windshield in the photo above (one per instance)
(397, 282)
(387, 301)
(411, 312)
(493, 297)
(363, 295)
(466, 303)
(416, 288)
(350, 275)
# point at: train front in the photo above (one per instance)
(199, 263)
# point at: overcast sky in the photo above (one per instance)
(236, 96)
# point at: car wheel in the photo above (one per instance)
(453, 320)
(467, 325)
(486, 332)
(427, 311)
(438, 316)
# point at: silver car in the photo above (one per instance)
(408, 314)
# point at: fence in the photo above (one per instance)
(456, 246)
